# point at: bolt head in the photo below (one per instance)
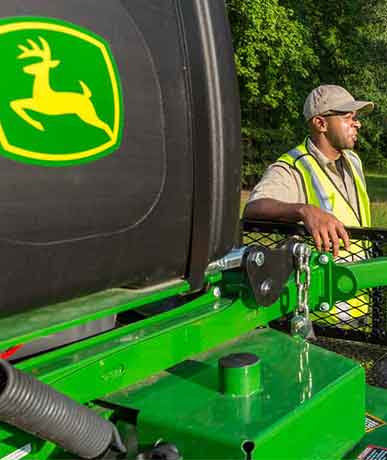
(217, 292)
(323, 259)
(324, 306)
(259, 258)
(266, 287)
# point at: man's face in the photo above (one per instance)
(342, 129)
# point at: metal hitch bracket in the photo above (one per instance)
(268, 270)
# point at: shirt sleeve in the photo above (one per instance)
(279, 182)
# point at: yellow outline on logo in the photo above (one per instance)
(4, 29)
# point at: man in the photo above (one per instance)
(320, 182)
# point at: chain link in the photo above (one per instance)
(302, 256)
(304, 376)
(301, 325)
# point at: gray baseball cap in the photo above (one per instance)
(328, 99)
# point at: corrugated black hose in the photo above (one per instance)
(36, 408)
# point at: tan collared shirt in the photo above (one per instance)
(281, 182)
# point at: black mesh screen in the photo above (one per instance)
(362, 318)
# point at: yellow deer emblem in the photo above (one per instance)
(48, 101)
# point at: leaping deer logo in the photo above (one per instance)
(48, 101)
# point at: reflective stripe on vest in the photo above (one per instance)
(321, 192)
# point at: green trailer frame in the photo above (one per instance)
(158, 378)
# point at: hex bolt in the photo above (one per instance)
(266, 287)
(323, 259)
(324, 306)
(259, 258)
(217, 292)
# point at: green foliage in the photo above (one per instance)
(285, 48)
(274, 63)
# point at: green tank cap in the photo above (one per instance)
(240, 374)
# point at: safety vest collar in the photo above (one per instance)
(321, 189)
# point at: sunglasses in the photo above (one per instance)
(347, 115)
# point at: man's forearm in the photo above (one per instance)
(271, 209)
(325, 229)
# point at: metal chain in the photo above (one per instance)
(301, 325)
(304, 376)
(302, 255)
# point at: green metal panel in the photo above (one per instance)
(239, 374)
(330, 282)
(311, 406)
(13, 441)
(376, 405)
(94, 367)
(36, 323)
(312, 403)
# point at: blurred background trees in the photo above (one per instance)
(284, 48)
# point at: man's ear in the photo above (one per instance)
(319, 124)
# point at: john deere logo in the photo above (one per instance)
(60, 97)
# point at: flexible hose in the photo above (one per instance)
(35, 407)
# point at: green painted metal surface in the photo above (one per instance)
(240, 380)
(360, 275)
(376, 406)
(29, 325)
(132, 353)
(311, 406)
(330, 282)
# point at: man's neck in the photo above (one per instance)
(325, 148)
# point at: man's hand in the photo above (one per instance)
(324, 228)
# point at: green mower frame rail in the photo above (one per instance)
(158, 380)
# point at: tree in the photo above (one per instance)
(350, 38)
(274, 61)
(284, 48)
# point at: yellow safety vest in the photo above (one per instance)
(321, 191)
